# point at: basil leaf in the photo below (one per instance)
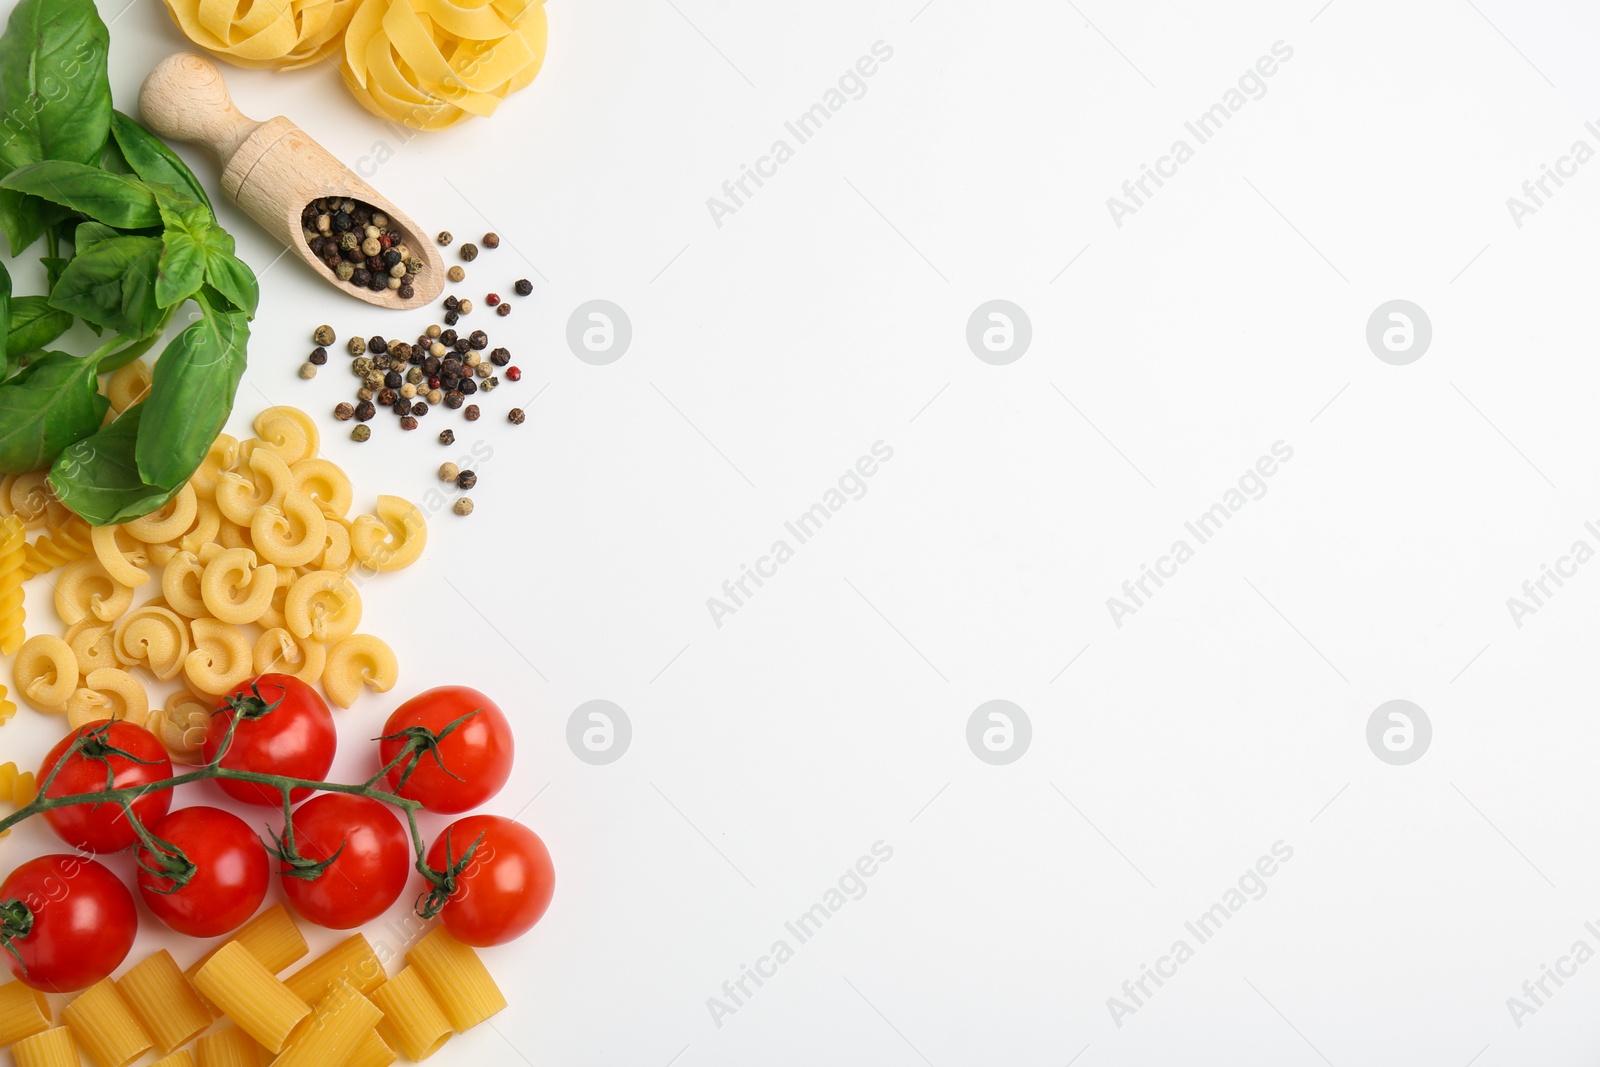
(113, 285)
(34, 324)
(191, 394)
(89, 234)
(53, 403)
(154, 161)
(114, 199)
(181, 270)
(5, 315)
(53, 83)
(234, 280)
(99, 479)
(21, 218)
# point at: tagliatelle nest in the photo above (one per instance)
(282, 34)
(433, 63)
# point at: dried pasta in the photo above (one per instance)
(128, 385)
(180, 585)
(271, 937)
(392, 537)
(164, 1001)
(46, 673)
(291, 535)
(8, 708)
(169, 522)
(53, 1048)
(93, 643)
(155, 636)
(457, 979)
(357, 661)
(17, 787)
(182, 1058)
(105, 1026)
(324, 482)
(24, 1011)
(108, 693)
(57, 547)
(229, 1047)
(29, 497)
(323, 606)
(294, 34)
(333, 1031)
(289, 432)
(122, 556)
(270, 481)
(281, 652)
(85, 590)
(13, 556)
(413, 1022)
(370, 1051)
(237, 983)
(236, 587)
(221, 659)
(221, 456)
(181, 725)
(351, 960)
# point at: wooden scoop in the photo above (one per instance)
(273, 169)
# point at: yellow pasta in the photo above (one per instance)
(93, 643)
(236, 588)
(323, 606)
(13, 556)
(231, 1047)
(181, 725)
(245, 991)
(271, 937)
(53, 1048)
(108, 693)
(289, 432)
(181, 1058)
(85, 590)
(371, 1051)
(164, 1001)
(433, 63)
(29, 497)
(357, 661)
(413, 1022)
(46, 673)
(180, 585)
(17, 787)
(168, 522)
(294, 34)
(324, 482)
(222, 454)
(457, 979)
(58, 547)
(221, 659)
(269, 482)
(155, 636)
(122, 556)
(291, 535)
(336, 548)
(280, 652)
(105, 1026)
(23, 1013)
(128, 385)
(333, 1031)
(351, 960)
(391, 538)
(207, 525)
(8, 708)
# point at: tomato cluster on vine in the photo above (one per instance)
(344, 853)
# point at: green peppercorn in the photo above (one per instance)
(362, 432)
(444, 237)
(355, 346)
(323, 335)
(469, 252)
(415, 376)
(344, 271)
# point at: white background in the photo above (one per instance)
(830, 712)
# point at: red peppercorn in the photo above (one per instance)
(492, 299)
(514, 374)
(433, 382)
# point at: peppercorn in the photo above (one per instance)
(484, 370)
(355, 346)
(394, 379)
(323, 335)
(463, 347)
(503, 310)
(500, 357)
(515, 416)
(430, 365)
(456, 274)
(308, 370)
(450, 365)
(490, 240)
(365, 410)
(435, 396)
(489, 384)
(478, 339)
(406, 291)
(419, 408)
(448, 472)
(513, 374)
(401, 406)
(344, 412)
(450, 304)
(361, 433)
(432, 331)
(408, 391)
(523, 287)
(373, 380)
(344, 271)
(466, 479)
(454, 399)
(386, 397)
(376, 344)
(447, 436)
(363, 393)
(319, 356)
(408, 423)
(360, 276)
(437, 350)
(464, 506)
(468, 386)
(450, 382)
(465, 308)
(382, 361)
(444, 237)
(492, 299)
(469, 252)
(472, 413)
(451, 317)
(448, 337)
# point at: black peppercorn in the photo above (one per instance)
(344, 412)
(454, 399)
(419, 408)
(450, 382)
(468, 386)
(319, 356)
(462, 345)
(479, 339)
(503, 310)
(376, 344)
(378, 283)
(408, 423)
(523, 287)
(402, 406)
(447, 338)
(407, 291)
(342, 222)
(451, 303)
(500, 357)
(467, 479)
(447, 437)
(472, 413)
(430, 365)
(391, 257)
(515, 416)
(386, 397)
(451, 318)
(365, 410)
(394, 379)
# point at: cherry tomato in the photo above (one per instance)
(230, 878)
(100, 828)
(83, 922)
(368, 875)
(478, 752)
(506, 886)
(285, 728)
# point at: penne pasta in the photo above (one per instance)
(23, 1012)
(231, 1047)
(370, 1051)
(351, 960)
(164, 1001)
(263, 1007)
(105, 1026)
(333, 1031)
(412, 1022)
(53, 1048)
(457, 979)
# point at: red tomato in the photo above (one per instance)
(83, 922)
(98, 828)
(478, 752)
(370, 872)
(285, 728)
(230, 878)
(507, 885)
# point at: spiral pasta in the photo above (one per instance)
(121, 555)
(155, 636)
(392, 538)
(128, 385)
(291, 535)
(46, 673)
(13, 556)
(181, 724)
(235, 588)
(322, 606)
(280, 652)
(283, 36)
(85, 591)
(357, 661)
(93, 645)
(57, 547)
(108, 693)
(221, 659)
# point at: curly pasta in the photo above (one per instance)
(86, 591)
(123, 557)
(155, 636)
(57, 547)
(237, 589)
(221, 659)
(323, 606)
(290, 536)
(13, 556)
(336, 548)
(93, 643)
(7, 707)
(169, 522)
(270, 481)
(30, 498)
(108, 693)
(181, 725)
(222, 456)
(207, 524)
(17, 787)
(357, 661)
(392, 538)
(325, 483)
(281, 652)
(289, 432)
(128, 385)
(180, 585)
(46, 673)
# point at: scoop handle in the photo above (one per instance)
(185, 99)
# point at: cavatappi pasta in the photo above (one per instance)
(105, 1027)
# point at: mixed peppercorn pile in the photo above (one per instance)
(361, 245)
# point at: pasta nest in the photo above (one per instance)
(431, 64)
(285, 34)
